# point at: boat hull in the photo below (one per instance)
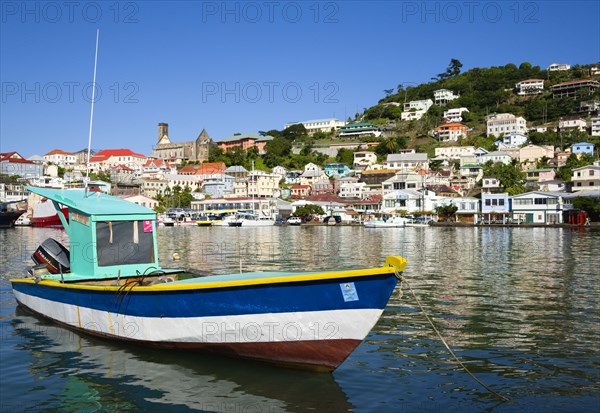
(8, 218)
(312, 324)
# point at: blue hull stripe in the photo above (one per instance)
(365, 292)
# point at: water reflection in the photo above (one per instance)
(79, 373)
(520, 305)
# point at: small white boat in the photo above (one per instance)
(392, 222)
(251, 220)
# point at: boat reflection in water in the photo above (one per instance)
(100, 376)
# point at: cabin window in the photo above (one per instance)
(124, 242)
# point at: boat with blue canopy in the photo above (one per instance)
(109, 282)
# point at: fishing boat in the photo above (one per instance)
(111, 284)
(8, 217)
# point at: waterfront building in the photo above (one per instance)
(495, 208)
(468, 208)
(538, 208)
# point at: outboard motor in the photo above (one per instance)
(53, 255)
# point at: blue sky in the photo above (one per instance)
(247, 66)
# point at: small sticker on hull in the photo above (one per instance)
(349, 292)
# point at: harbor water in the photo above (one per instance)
(520, 307)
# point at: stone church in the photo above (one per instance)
(177, 152)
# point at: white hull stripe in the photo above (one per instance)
(252, 328)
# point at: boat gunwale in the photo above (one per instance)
(207, 285)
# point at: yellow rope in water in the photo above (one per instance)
(460, 363)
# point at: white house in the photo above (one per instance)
(312, 173)
(415, 109)
(454, 152)
(454, 115)
(496, 156)
(595, 127)
(352, 190)
(363, 159)
(468, 207)
(450, 132)
(495, 208)
(490, 184)
(511, 140)
(502, 123)
(408, 200)
(558, 67)
(319, 125)
(403, 180)
(530, 87)
(586, 177)
(142, 200)
(407, 161)
(579, 124)
(443, 96)
(60, 158)
(538, 208)
(109, 158)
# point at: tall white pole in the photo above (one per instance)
(87, 175)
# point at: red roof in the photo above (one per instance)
(209, 168)
(327, 198)
(6, 155)
(107, 153)
(187, 170)
(574, 82)
(159, 163)
(299, 186)
(530, 80)
(58, 152)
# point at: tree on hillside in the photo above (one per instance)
(565, 172)
(510, 176)
(452, 70)
(293, 132)
(345, 156)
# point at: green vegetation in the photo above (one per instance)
(308, 212)
(446, 211)
(510, 176)
(565, 172)
(589, 205)
(176, 198)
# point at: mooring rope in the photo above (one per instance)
(460, 363)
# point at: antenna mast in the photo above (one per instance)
(87, 175)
